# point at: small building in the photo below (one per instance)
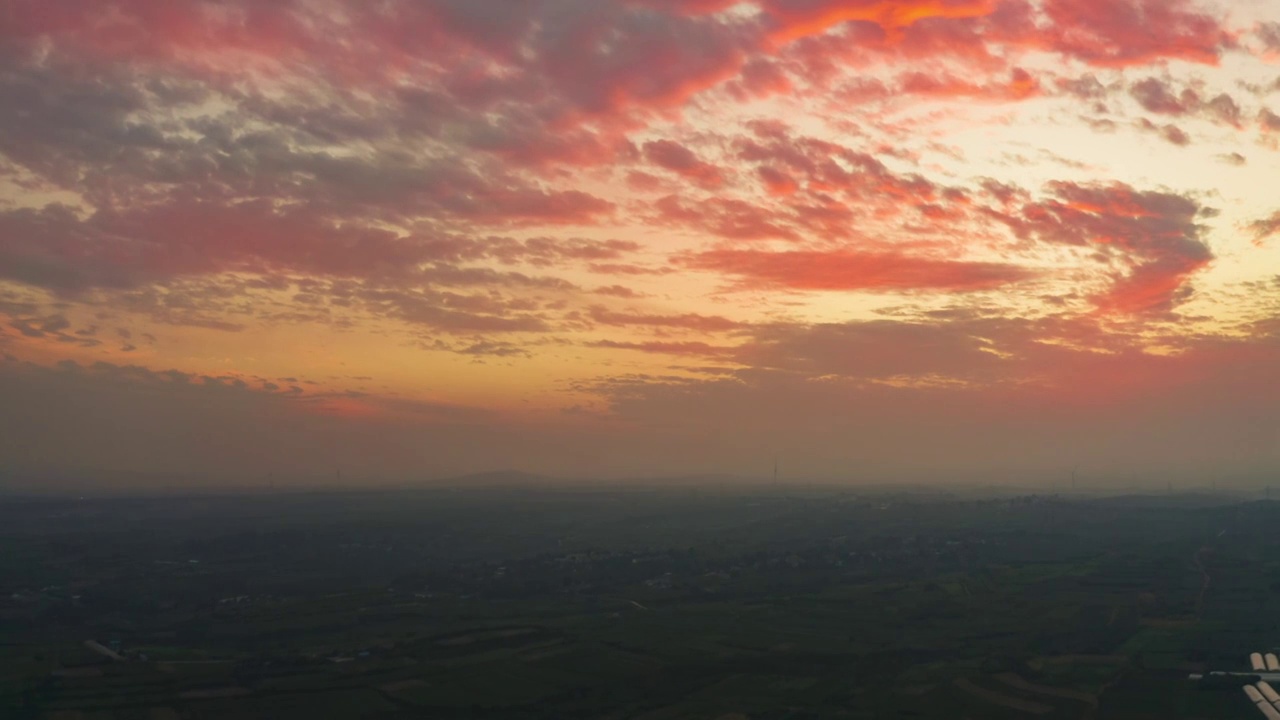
(1260, 700)
(1268, 692)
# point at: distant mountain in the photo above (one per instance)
(499, 477)
(520, 479)
(695, 480)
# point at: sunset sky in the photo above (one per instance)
(402, 239)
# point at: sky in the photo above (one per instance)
(872, 240)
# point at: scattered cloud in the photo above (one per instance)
(1154, 235)
(855, 270)
(1264, 228)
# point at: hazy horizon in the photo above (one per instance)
(991, 484)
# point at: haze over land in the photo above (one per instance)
(622, 238)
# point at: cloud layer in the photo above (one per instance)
(633, 220)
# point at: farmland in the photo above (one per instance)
(633, 603)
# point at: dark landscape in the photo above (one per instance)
(637, 603)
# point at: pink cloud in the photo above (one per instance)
(694, 348)
(1154, 233)
(794, 19)
(683, 162)
(856, 270)
(1020, 86)
(686, 321)
(1265, 228)
(1120, 33)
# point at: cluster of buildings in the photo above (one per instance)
(1264, 669)
(1265, 699)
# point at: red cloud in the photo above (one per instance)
(700, 349)
(620, 291)
(688, 7)
(688, 321)
(728, 218)
(1020, 86)
(1265, 228)
(1153, 232)
(627, 269)
(528, 206)
(761, 78)
(1169, 132)
(681, 160)
(55, 249)
(648, 65)
(1269, 120)
(827, 167)
(856, 270)
(1156, 97)
(230, 36)
(1121, 33)
(1153, 286)
(794, 19)
(777, 182)
(1224, 109)
(1105, 33)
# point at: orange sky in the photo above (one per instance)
(883, 239)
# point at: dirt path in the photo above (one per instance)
(996, 698)
(1198, 559)
(1015, 681)
(213, 693)
(1084, 659)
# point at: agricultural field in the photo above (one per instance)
(633, 603)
